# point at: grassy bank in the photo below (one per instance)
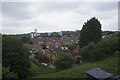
(38, 71)
(109, 64)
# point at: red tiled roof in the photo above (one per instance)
(49, 55)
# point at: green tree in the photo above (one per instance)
(54, 34)
(91, 32)
(63, 61)
(6, 74)
(44, 46)
(26, 39)
(41, 57)
(15, 56)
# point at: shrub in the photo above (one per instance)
(102, 49)
(85, 52)
(41, 57)
(64, 61)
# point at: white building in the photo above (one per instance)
(34, 34)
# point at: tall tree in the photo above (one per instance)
(91, 32)
(15, 56)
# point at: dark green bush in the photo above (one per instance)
(85, 52)
(102, 49)
(64, 61)
(41, 57)
(6, 74)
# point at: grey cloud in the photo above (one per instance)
(11, 30)
(105, 6)
(27, 16)
(60, 0)
(16, 10)
(119, 20)
(55, 6)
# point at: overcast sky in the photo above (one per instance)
(24, 17)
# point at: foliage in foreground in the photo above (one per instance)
(6, 74)
(15, 56)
